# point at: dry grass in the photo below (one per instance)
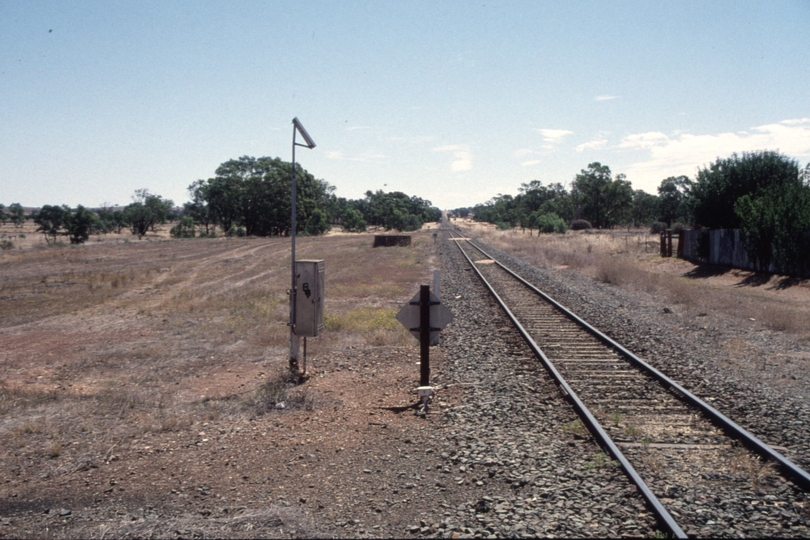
(110, 343)
(281, 392)
(759, 473)
(630, 259)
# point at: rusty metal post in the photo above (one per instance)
(663, 245)
(669, 243)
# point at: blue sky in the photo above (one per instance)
(451, 101)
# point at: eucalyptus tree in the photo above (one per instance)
(672, 195)
(79, 223)
(51, 220)
(17, 214)
(146, 212)
(601, 199)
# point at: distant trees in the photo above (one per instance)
(596, 196)
(353, 221)
(255, 194)
(50, 221)
(549, 223)
(78, 224)
(396, 210)
(533, 200)
(197, 209)
(183, 229)
(54, 221)
(601, 199)
(16, 214)
(146, 212)
(645, 208)
(672, 196)
(318, 223)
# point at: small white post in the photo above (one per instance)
(437, 286)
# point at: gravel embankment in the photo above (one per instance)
(514, 428)
(538, 472)
(773, 406)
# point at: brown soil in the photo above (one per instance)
(142, 386)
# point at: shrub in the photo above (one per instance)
(183, 229)
(353, 221)
(581, 224)
(6, 244)
(318, 223)
(658, 227)
(503, 226)
(281, 392)
(236, 231)
(678, 227)
(550, 223)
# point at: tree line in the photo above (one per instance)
(247, 196)
(252, 196)
(766, 194)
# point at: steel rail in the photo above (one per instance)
(663, 515)
(790, 469)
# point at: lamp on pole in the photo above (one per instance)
(297, 128)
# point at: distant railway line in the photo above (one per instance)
(693, 465)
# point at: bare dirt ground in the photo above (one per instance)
(142, 390)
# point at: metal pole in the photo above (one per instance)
(424, 335)
(293, 337)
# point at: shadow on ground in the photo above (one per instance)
(752, 279)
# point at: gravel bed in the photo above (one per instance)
(514, 437)
(773, 407)
(690, 350)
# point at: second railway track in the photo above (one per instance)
(696, 468)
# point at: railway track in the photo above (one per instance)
(695, 467)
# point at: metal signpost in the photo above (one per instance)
(297, 128)
(424, 316)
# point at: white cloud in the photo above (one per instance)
(644, 140)
(795, 121)
(554, 135)
(591, 145)
(523, 152)
(461, 153)
(530, 163)
(334, 154)
(356, 128)
(685, 153)
(605, 97)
